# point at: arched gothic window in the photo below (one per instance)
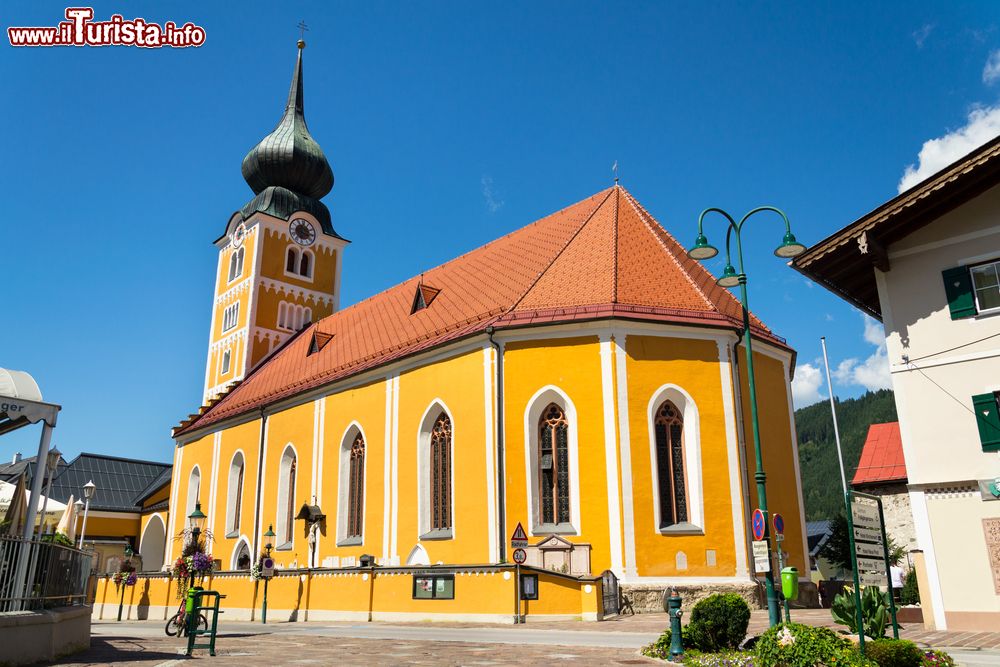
(234, 509)
(440, 467)
(242, 560)
(669, 430)
(305, 264)
(292, 260)
(285, 519)
(236, 264)
(553, 465)
(356, 488)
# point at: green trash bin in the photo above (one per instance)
(790, 583)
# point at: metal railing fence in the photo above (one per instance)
(41, 574)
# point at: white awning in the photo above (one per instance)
(19, 384)
(7, 491)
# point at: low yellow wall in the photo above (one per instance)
(381, 594)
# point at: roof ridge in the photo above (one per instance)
(566, 245)
(617, 250)
(643, 215)
(117, 458)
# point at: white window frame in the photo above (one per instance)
(532, 414)
(683, 401)
(343, 486)
(975, 292)
(424, 491)
(236, 264)
(233, 495)
(307, 275)
(225, 362)
(282, 540)
(193, 490)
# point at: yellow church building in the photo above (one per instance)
(580, 376)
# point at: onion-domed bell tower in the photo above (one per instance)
(279, 258)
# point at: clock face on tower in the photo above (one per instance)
(302, 231)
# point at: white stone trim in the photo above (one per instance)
(798, 472)
(175, 476)
(242, 539)
(295, 291)
(732, 451)
(925, 540)
(318, 466)
(489, 428)
(611, 455)
(625, 440)
(387, 472)
(213, 488)
(394, 551)
(234, 291)
(262, 476)
(532, 412)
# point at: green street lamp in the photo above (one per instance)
(267, 549)
(731, 277)
(196, 520)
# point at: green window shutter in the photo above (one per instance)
(988, 419)
(958, 289)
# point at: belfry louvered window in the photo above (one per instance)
(356, 488)
(553, 465)
(669, 430)
(440, 464)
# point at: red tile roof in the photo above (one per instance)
(599, 258)
(882, 457)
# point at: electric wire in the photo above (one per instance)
(957, 347)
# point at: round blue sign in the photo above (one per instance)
(779, 524)
(759, 525)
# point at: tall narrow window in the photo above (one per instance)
(291, 260)
(553, 465)
(236, 264)
(290, 503)
(227, 358)
(305, 266)
(356, 488)
(669, 430)
(235, 506)
(284, 524)
(440, 466)
(230, 316)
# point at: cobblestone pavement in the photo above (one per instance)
(286, 648)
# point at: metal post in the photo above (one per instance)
(121, 601)
(22, 581)
(859, 617)
(45, 496)
(774, 616)
(784, 600)
(83, 530)
(888, 569)
(833, 411)
(263, 606)
(517, 592)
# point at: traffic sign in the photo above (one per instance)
(758, 524)
(779, 525)
(267, 567)
(520, 556)
(761, 556)
(518, 539)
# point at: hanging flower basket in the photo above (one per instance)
(126, 574)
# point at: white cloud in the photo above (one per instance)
(494, 202)
(991, 71)
(806, 384)
(920, 36)
(873, 372)
(936, 154)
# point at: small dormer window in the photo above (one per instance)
(424, 296)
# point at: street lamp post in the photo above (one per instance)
(267, 549)
(788, 248)
(88, 492)
(51, 463)
(121, 601)
(196, 520)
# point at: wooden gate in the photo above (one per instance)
(609, 584)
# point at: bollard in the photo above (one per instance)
(674, 610)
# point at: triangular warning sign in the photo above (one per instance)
(519, 534)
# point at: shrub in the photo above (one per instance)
(894, 653)
(723, 659)
(937, 659)
(661, 647)
(718, 622)
(797, 645)
(874, 611)
(911, 592)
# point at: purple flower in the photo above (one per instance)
(132, 578)
(201, 562)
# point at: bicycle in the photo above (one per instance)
(177, 624)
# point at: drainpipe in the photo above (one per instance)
(501, 502)
(260, 475)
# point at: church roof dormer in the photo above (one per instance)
(289, 157)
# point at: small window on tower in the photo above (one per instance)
(230, 316)
(291, 260)
(226, 361)
(236, 265)
(305, 264)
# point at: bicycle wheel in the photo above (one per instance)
(173, 626)
(202, 623)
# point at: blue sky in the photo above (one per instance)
(448, 124)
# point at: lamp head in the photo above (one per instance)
(702, 249)
(789, 247)
(269, 535)
(53, 458)
(729, 277)
(197, 517)
(79, 505)
(88, 489)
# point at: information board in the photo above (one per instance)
(761, 556)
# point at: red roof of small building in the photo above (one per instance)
(882, 456)
(602, 257)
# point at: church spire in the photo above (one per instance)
(289, 157)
